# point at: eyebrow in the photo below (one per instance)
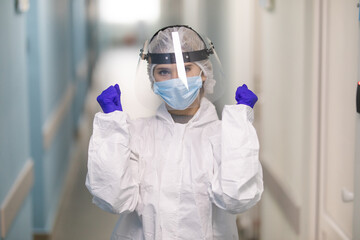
(162, 68)
(169, 68)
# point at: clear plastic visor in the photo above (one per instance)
(182, 66)
(164, 72)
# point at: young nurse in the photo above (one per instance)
(183, 173)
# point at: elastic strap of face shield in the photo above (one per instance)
(169, 58)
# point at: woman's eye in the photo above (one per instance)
(187, 69)
(163, 72)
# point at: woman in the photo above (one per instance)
(183, 173)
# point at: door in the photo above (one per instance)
(339, 46)
(356, 217)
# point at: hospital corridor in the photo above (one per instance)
(258, 139)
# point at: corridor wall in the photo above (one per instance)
(45, 72)
(14, 128)
(283, 68)
(58, 43)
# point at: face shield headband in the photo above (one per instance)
(170, 58)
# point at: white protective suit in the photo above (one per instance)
(175, 181)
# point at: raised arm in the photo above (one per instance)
(112, 176)
(237, 184)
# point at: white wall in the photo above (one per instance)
(284, 69)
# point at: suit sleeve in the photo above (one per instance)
(112, 176)
(237, 183)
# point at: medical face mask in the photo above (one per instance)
(175, 94)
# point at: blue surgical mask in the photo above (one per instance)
(175, 94)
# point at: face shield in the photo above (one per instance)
(179, 65)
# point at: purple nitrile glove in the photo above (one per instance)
(245, 96)
(109, 99)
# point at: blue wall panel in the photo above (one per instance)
(79, 55)
(56, 162)
(14, 149)
(14, 129)
(35, 104)
(58, 43)
(55, 52)
(40, 54)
